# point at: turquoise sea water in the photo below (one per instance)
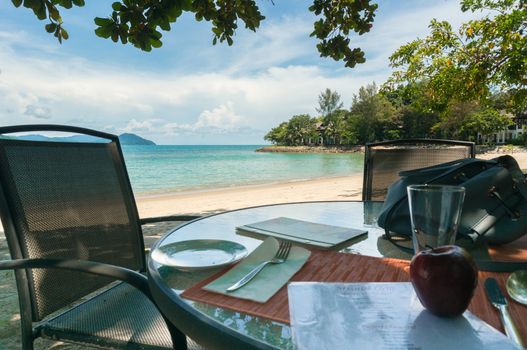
(161, 169)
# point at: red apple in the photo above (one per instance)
(444, 279)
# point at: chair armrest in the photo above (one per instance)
(168, 218)
(131, 277)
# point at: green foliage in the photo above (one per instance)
(328, 102)
(140, 22)
(300, 129)
(346, 134)
(336, 131)
(417, 124)
(521, 140)
(464, 120)
(47, 9)
(339, 17)
(373, 117)
(390, 115)
(417, 114)
(451, 119)
(483, 56)
(486, 121)
(277, 135)
(333, 118)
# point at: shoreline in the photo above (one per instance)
(249, 186)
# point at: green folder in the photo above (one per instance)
(303, 232)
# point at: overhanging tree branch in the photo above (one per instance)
(140, 22)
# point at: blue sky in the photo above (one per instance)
(189, 91)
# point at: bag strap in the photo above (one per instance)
(388, 235)
(445, 168)
(395, 241)
(518, 177)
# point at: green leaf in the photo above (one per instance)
(17, 3)
(156, 43)
(216, 31)
(186, 5)
(174, 12)
(102, 21)
(79, 3)
(54, 14)
(51, 27)
(41, 13)
(165, 26)
(65, 34)
(103, 32)
(32, 4)
(66, 4)
(123, 37)
(156, 35)
(117, 6)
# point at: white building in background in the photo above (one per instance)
(512, 132)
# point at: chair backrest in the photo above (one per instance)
(66, 200)
(384, 160)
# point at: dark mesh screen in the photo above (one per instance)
(387, 162)
(68, 200)
(120, 316)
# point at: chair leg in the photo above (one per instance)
(179, 339)
(27, 335)
(27, 343)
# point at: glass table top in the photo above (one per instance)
(360, 215)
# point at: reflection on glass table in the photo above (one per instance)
(169, 282)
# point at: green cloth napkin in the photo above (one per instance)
(269, 280)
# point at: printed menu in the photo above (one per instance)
(380, 316)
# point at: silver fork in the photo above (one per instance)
(281, 256)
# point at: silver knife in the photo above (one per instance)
(497, 299)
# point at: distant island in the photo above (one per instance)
(133, 139)
(125, 139)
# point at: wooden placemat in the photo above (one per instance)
(322, 266)
(327, 266)
(513, 251)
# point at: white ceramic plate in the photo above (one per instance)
(199, 254)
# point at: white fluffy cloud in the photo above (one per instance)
(134, 126)
(222, 117)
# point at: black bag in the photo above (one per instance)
(495, 205)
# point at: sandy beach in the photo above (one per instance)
(205, 202)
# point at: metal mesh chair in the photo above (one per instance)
(72, 227)
(384, 160)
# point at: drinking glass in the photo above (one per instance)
(435, 211)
